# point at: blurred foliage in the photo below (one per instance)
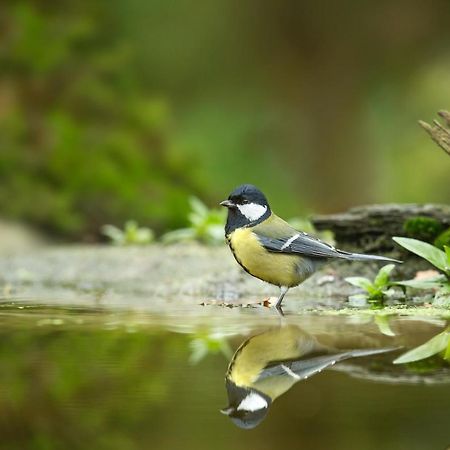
(132, 234)
(111, 110)
(205, 225)
(203, 345)
(85, 143)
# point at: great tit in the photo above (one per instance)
(270, 249)
(269, 364)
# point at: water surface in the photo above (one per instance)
(74, 378)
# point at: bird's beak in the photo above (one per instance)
(227, 411)
(227, 204)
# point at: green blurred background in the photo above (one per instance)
(116, 110)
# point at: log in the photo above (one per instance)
(370, 228)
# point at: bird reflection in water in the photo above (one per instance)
(267, 365)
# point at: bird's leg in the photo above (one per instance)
(280, 315)
(283, 290)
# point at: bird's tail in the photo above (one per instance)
(362, 257)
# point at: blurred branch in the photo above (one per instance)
(439, 133)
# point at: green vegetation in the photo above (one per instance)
(116, 110)
(438, 258)
(423, 228)
(132, 234)
(437, 345)
(86, 141)
(205, 225)
(443, 239)
(427, 229)
(204, 344)
(376, 290)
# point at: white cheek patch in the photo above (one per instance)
(253, 402)
(252, 211)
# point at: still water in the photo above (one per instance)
(103, 379)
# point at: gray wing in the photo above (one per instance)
(302, 244)
(302, 369)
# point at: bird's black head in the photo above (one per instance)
(247, 205)
(247, 407)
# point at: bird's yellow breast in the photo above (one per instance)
(276, 268)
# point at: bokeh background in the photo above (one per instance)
(116, 110)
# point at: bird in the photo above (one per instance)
(270, 249)
(268, 364)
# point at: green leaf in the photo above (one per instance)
(382, 278)
(360, 282)
(435, 345)
(427, 251)
(447, 252)
(447, 352)
(382, 322)
(430, 283)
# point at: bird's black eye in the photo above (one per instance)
(245, 201)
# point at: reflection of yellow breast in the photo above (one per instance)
(276, 268)
(277, 345)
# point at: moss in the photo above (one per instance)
(423, 228)
(443, 239)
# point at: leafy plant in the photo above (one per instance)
(376, 290)
(439, 344)
(206, 225)
(132, 234)
(438, 258)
